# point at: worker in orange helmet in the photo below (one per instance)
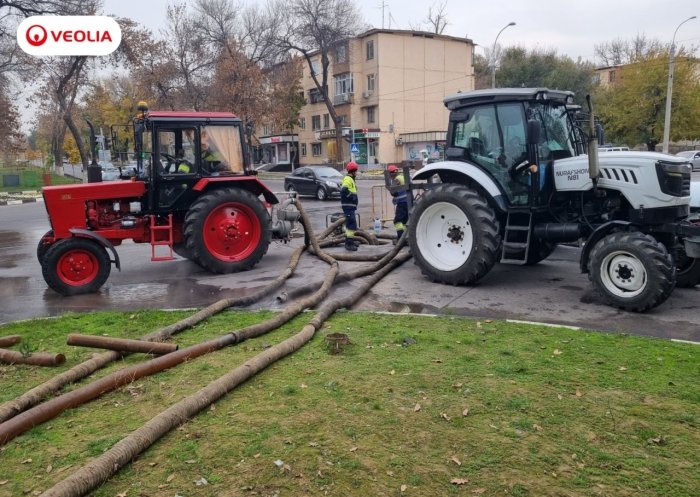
(400, 199)
(348, 201)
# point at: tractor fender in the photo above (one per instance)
(597, 235)
(250, 183)
(82, 233)
(465, 173)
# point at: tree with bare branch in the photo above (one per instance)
(313, 29)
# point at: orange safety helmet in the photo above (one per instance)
(351, 167)
(392, 169)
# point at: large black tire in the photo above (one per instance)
(539, 251)
(227, 230)
(182, 250)
(632, 271)
(687, 268)
(42, 247)
(74, 266)
(453, 235)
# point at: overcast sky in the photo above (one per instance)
(571, 27)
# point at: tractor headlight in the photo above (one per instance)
(674, 178)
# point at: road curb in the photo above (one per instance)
(18, 201)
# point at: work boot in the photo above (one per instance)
(350, 245)
(399, 233)
(356, 242)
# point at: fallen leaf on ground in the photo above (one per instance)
(494, 427)
(465, 411)
(4, 482)
(190, 461)
(353, 449)
(456, 461)
(559, 396)
(444, 416)
(170, 478)
(537, 427)
(49, 468)
(313, 444)
(121, 494)
(416, 408)
(304, 385)
(456, 385)
(26, 460)
(622, 368)
(578, 393)
(557, 352)
(478, 491)
(404, 488)
(459, 481)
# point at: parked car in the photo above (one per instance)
(109, 172)
(693, 157)
(613, 149)
(322, 182)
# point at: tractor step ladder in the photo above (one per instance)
(516, 238)
(167, 229)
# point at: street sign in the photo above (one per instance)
(354, 148)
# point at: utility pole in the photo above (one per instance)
(669, 89)
(493, 55)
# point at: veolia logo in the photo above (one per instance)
(69, 35)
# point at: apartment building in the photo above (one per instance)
(388, 87)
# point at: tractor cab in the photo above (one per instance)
(505, 132)
(177, 150)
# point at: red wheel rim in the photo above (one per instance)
(77, 267)
(232, 232)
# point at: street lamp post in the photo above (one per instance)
(493, 55)
(669, 89)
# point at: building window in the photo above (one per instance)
(343, 83)
(315, 67)
(595, 79)
(370, 49)
(341, 54)
(303, 149)
(612, 76)
(315, 149)
(371, 114)
(326, 121)
(370, 82)
(315, 123)
(342, 119)
(302, 123)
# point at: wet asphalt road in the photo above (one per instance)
(553, 291)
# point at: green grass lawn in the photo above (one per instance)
(32, 179)
(471, 408)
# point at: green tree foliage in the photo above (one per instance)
(520, 67)
(633, 107)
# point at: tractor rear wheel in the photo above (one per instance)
(227, 230)
(632, 271)
(74, 266)
(454, 235)
(181, 250)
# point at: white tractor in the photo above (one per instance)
(517, 181)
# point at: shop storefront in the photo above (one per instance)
(281, 151)
(366, 143)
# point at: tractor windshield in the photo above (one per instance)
(555, 137)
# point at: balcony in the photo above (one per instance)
(343, 98)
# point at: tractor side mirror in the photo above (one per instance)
(533, 132)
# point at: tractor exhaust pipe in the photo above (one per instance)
(593, 166)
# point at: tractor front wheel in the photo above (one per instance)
(453, 235)
(632, 271)
(74, 266)
(227, 230)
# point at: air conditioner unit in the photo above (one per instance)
(366, 94)
(398, 142)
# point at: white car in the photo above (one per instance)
(693, 157)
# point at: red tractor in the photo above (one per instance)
(192, 193)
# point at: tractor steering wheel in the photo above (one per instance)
(171, 161)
